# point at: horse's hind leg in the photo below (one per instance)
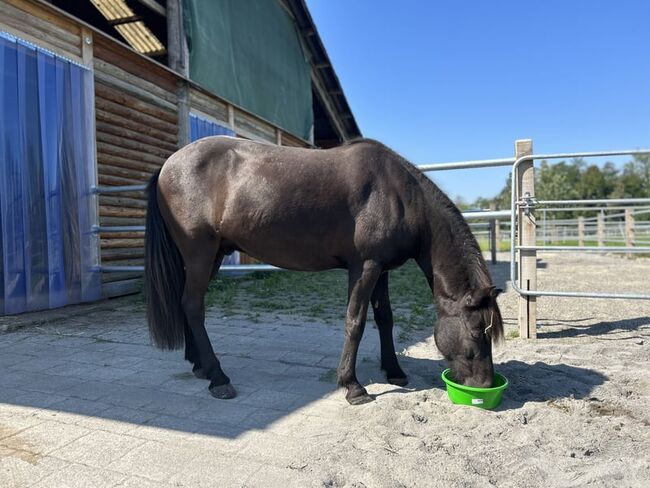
(191, 351)
(198, 270)
(361, 283)
(384, 319)
(192, 354)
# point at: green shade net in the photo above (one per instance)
(249, 52)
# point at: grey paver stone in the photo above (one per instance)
(98, 448)
(80, 476)
(45, 437)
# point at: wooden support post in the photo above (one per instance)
(87, 57)
(525, 179)
(231, 117)
(178, 60)
(494, 242)
(182, 93)
(87, 47)
(497, 232)
(600, 229)
(177, 51)
(581, 231)
(629, 230)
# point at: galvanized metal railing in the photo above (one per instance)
(98, 229)
(141, 228)
(526, 203)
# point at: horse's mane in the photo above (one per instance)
(462, 235)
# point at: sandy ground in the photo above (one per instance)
(576, 413)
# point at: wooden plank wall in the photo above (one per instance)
(289, 140)
(37, 24)
(136, 116)
(137, 130)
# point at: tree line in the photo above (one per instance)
(577, 180)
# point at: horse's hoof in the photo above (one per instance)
(360, 399)
(398, 381)
(223, 392)
(199, 373)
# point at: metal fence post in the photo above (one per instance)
(581, 231)
(526, 237)
(629, 230)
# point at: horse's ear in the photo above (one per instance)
(477, 297)
(495, 292)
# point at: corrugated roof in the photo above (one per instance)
(133, 30)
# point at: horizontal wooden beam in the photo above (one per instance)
(331, 111)
(154, 6)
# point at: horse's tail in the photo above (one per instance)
(164, 277)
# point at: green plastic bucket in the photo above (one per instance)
(487, 398)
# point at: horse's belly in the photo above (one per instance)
(291, 254)
(300, 244)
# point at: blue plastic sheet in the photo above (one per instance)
(199, 128)
(48, 254)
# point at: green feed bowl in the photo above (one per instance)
(487, 398)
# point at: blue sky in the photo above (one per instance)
(457, 80)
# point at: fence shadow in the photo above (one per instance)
(598, 329)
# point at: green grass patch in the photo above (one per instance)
(319, 296)
(503, 246)
(513, 334)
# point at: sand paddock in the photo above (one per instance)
(84, 400)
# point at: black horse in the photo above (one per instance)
(359, 206)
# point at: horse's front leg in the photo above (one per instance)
(361, 283)
(384, 319)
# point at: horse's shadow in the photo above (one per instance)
(536, 382)
(113, 373)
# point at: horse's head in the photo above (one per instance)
(464, 335)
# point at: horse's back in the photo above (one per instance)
(324, 205)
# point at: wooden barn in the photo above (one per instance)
(98, 93)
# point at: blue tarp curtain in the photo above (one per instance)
(201, 127)
(48, 254)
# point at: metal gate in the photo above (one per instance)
(523, 240)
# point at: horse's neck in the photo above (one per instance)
(456, 266)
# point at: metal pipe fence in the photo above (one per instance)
(99, 229)
(522, 206)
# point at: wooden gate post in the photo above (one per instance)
(494, 244)
(525, 179)
(601, 229)
(629, 230)
(493, 241)
(581, 231)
